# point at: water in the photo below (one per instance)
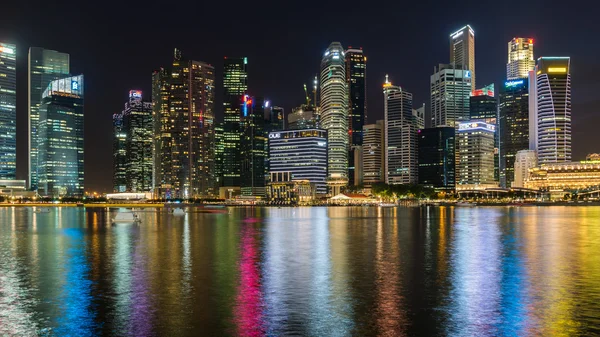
(496, 271)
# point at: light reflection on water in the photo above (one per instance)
(305, 271)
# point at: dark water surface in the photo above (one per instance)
(302, 271)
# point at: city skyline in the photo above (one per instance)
(265, 79)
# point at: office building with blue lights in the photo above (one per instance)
(8, 111)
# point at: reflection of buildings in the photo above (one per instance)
(248, 310)
(60, 138)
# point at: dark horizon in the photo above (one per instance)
(117, 46)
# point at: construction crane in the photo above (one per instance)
(306, 94)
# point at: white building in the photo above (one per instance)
(462, 50)
(475, 155)
(401, 165)
(524, 160)
(520, 58)
(373, 153)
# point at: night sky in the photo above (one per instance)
(117, 45)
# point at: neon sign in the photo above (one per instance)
(513, 83)
(274, 135)
(476, 125)
(74, 85)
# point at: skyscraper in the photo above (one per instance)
(400, 136)
(520, 58)
(44, 66)
(356, 75)
(253, 147)
(462, 50)
(524, 160)
(419, 116)
(133, 159)
(552, 122)
(162, 134)
(483, 106)
(187, 139)
(450, 93)
(302, 117)
(274, 117)
(476, 154)
(60, 138)
(8, 111)
(513, 126)
(437, 157)
(235, 85)
(334, 114)
(373, 153)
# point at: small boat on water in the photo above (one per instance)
(178, 211)
(466, 204)
(126, 217)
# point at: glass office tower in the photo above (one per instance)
(60, 138)
(8, 111)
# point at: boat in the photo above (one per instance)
(466, 204)
(178, 211)
(42, 210)
(126, 217)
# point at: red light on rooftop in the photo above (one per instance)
(531, 41)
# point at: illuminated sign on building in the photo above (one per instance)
(274, 135)
(557, 70)
(322, 143)
(74, 85)
(513, 83)
(135, 94)
(469, 126)
(6, 50)
(467, 74)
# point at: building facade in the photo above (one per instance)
(334, 115)
(462, 51)
(133, 141)
(44, 66)
(356, 76)
(235, 85)
(559, 178)
(552, 111)
(525, 160)
(301, 152)
(483, 107)
(373, 153)
(513, 127)
(253, 147)
(162, 132)
(400, 136)
(302, 117)
(8, 111)
(437, 157)
(450, 94)
(419, 117)
(188, 147)
(520, 58)
(476, 155)
(60, 138)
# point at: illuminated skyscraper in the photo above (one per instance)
(520, 58)
(334, 114)
(475, 155)
(44, 66)
(356, 76)
(400, 136)
(513, 126)
(450, 94)
(8, 111)
(235, 85)
(253, 147)
(552, 111)
(524, 160)
(60, 138)
(162, 134)
(373, 153)
(133, 137)
(483, 106)
(462, 51)
(419, 116)
(303, 117)
(187, 139)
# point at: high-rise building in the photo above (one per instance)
(133, 160)
(235, 85)
(513, 126)
(219, 153)
(189, 129)
(487, 90)
(60, 138)
(162, 132)
(484, 107)
(334, 114)
(301, 152)
(44, 66)
(356, 75)
(253, 147)
(400, 136)
(274, 117)
(476, 155)
(462, 50)
(437, 157)
(8, 111)
(552, 111)
(419, 117)
(524, 160)
(373, 153)
(302, 117)
(450, 93)
(520, 58)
